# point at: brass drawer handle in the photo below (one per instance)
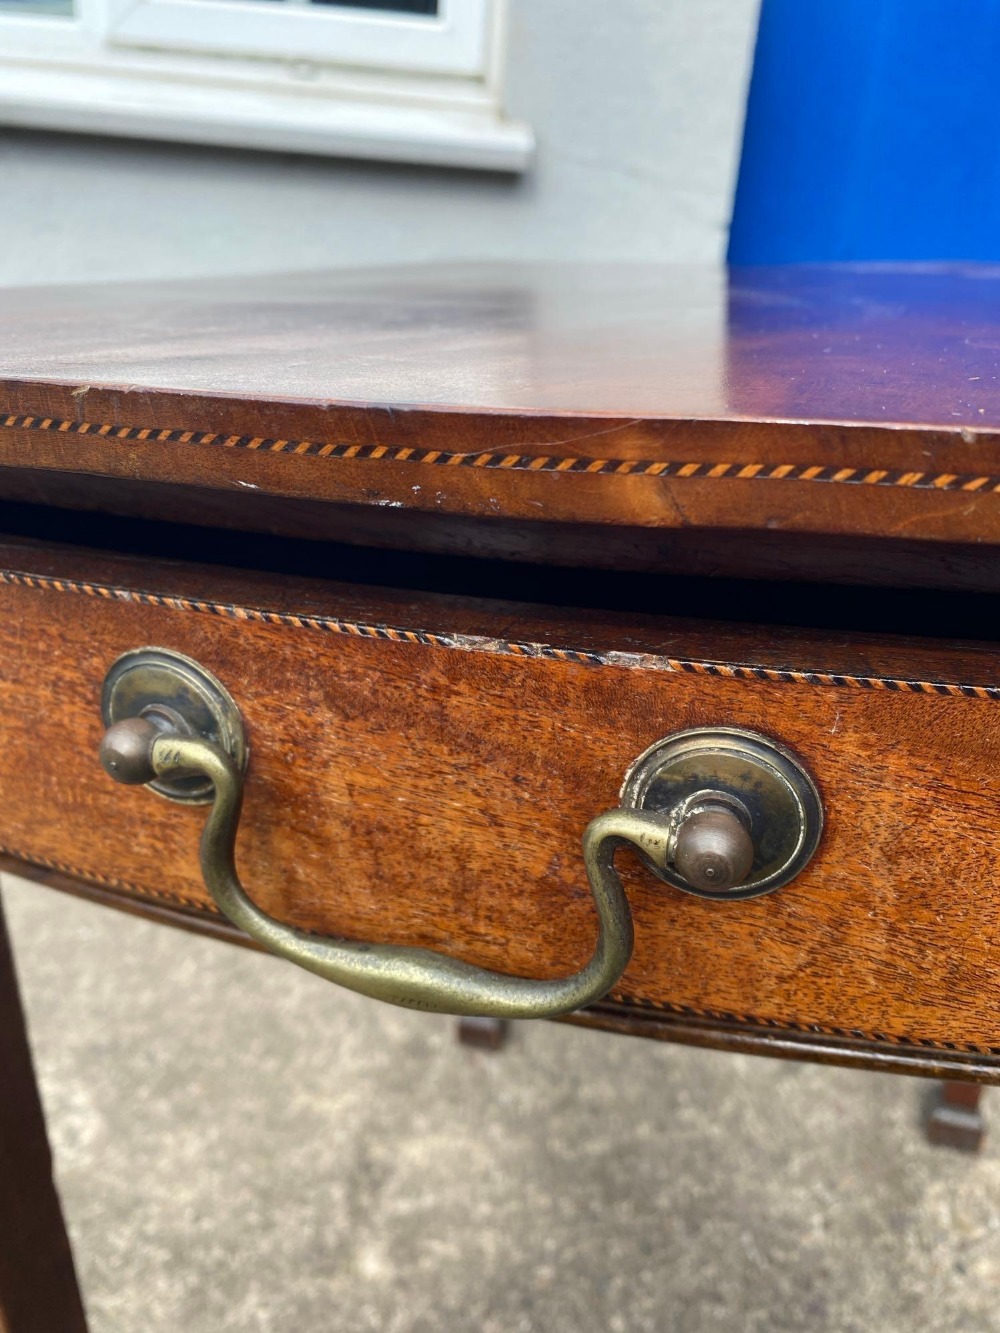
(721, 813)
(173, 725)
(137, 750)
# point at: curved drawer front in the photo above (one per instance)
(421, 771)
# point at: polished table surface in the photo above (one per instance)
(838, 401)
(912, 345)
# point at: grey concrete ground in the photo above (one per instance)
(241, 1147)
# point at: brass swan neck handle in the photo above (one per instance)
(140, 750)
(719, 812)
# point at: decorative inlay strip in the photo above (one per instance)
(486, 644)
(508, 462)
(123, 886)
(797, 1029)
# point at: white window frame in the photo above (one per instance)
(254, 74)
(453, 42)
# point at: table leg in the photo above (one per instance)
(488, 1034)
(954, 1119)
(38, 1288)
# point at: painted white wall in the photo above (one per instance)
(637, 106)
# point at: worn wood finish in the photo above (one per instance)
(836, 402)
(38, 1288)
(501, 731)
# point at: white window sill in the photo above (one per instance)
(54, 75)
(139, 106)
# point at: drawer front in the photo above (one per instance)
(421, 772)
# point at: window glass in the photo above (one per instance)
(44, 7)
(396, 6)
(431, 7)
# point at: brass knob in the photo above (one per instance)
(713, 849)
(127, 751)
(745, 814)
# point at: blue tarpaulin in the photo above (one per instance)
(872, 133)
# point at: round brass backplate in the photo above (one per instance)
(767, 782)
(162, 684)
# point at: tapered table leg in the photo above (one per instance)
(955, 1119)
(38, 1288)
(488, 1034)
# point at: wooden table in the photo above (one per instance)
(461, 544)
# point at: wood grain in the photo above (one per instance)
(834, 402)
(499, 732)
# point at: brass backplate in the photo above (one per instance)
(778, 796)
(160, 682)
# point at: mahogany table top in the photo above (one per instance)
(671, 396)
(914, 344)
